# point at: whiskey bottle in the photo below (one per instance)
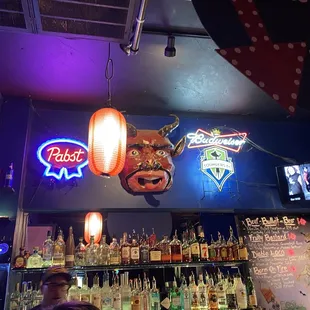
(125, 250)
(243, 251)
(80, 253)
(134, 252)
(155, 252)
(48, 250)
(115, 257)
(232, 246)
(212, 251)
(91, 251)
(103, 252)
(144, 250)
(218, 246)
(224, 249)
(20, 261)
(203, 245)
(59, 251)
(186, 248)
(70, 249)
(195, 251)
(165, 250)
(176, 249)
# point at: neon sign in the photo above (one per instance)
(63, 158)
(231, 142)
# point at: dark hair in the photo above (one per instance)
(75, 305)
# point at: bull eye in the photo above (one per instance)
(161, 153)
(133, 153)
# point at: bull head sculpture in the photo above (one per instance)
(149, 166)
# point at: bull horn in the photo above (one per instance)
(131, 130)
(166, 130)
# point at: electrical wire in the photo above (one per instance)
(109, 74)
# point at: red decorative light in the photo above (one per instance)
(93, 226)
(107, 139)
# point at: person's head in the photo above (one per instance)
(55, 285)
(75, 305)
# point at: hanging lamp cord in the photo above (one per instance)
(109, 73)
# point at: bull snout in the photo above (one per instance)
(150, 164)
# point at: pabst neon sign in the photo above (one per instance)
(63, 158)
(231, 142)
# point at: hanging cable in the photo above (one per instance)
(109, 73)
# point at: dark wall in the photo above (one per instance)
(252, 187)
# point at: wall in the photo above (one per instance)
(252, 187)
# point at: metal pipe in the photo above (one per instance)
(175, 33)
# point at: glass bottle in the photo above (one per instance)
(125, 291)
(145, 294)
(203, 244)
(232, 246)
(15, 298)
(103, 252)
(243, 251)
(37, 296)
(35, 260)
(91, 251)
(125, 250)
(155, 297)
(176, 249)
(202, 293)
(144, 250)
(221, 292)
(135, 297)
(80, 253)
(218, 246)
(186, 248)
(59, 250)
(165, 250)
(185, 294)
(106, 293)
(241, 295)
(193, 293)
(115, 256)
(134, 251)
(20, 261)
(155, 251)
(194, 246)
(85, 290)
(70, 249)
(231, 296)
(96, 292)
(152, 239)
(212, 251)
(251, 293)
(175, 297)
(26, 295)
(48, 246)
(74, 291)
(224, 249)
(212, 296)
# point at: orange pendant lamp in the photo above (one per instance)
(107, 136)
(93, 226)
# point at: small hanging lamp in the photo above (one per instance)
(93, 226)
(107, 135)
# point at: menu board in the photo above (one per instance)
(279, 259)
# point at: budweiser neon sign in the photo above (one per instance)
(202, 139)
(63, 158)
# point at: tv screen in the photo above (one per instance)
(294, 183)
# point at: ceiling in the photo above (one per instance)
(62, 71)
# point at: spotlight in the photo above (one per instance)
(170, 50)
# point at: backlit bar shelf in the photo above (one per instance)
(141, 266)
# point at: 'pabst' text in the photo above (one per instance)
(55, 153)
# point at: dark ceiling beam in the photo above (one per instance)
(177, 32)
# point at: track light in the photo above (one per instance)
(170, 50)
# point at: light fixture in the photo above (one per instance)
(93, 226)
(107, 136)
(170, 50)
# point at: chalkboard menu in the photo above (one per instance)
(279, 258)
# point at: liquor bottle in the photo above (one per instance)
(145, 294)
(212, 296)
(176, 249)
(195, 251)
(202, 293)
(91, 253)
(15, 298)
(155, 251)
(165, 250)
(8, 182)
(194, 295)
(224, 254)
(241, 295)
(144, 249)
(35, 260)
(125, 250)
(185, 295)
(154, 296)
(251, 293)
(218, 245)
(186, 248)
(232, 246)
(152, 238)
(85, 290)
(103, 252)
(203, 244)
(26, 296)
(115, 256)
(221, 292)
(166, 297)
(59, 250)
(134, 251)
(48, 246)
(243, 251)
(231, 296)
(135, 297)
(74, 291)
(96, 292)
(20, 261)
(175, 297)
(37, 296)
(80, 253)
(125, 291)
(70, 249)
(106, 293)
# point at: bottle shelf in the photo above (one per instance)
(141, 266)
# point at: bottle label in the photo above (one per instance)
(85, 297)
(235, 251)
(176, 257)
(114, 260)
(58, 255)
(126, 252)
(204, 253)
(106, 302)
(135, 303)
(176, 301)
(135, 253)
(74, 297)
(212, 253)
(230, 253)
(47, 256)
(243, 254)
(231, 301)
(19, 263)
(96, 300)
(155, 256)
(195, 248)
(252, 300)
(70, 258)
(213, 301)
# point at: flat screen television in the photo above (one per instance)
(294, 183)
